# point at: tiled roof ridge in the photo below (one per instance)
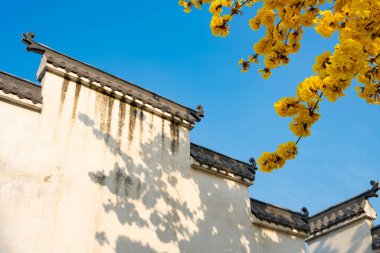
(223, 164)
(20, 79)
(221, 154)
(375, 231)
(121, 85)
(303, 213)
(280, 216)
(22, 88)
(343, 211)
(367, 194)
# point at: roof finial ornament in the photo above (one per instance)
(252, 162)
(305, 212)
(252, 168)
(373, 191)
(200, 113)
(31, 45)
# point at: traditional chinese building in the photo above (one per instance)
(93, 163)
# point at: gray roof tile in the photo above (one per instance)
(222, 163)
(343, 211)
(280, 216)
(23, 89)
(105, 79)
(376, 237)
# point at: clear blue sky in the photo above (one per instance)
(157, 46)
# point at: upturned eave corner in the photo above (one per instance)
(198, 114)
(372, 193)
(31, 45)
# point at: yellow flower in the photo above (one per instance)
(308, 90)
(197, 3)
(333, 89)
(370, 92)
(262, 45)
(293, 48)
(300, 128)
(269, 161)
(245, 65)
(253, 58)
(287, 151)
(255, 23)
(265, 73)
(219, 25)
(216, 7)
(327, 24)
(286, 107)
(322, 61)
(307, 19)
(267, 17)
(226, 3)
(307, 115)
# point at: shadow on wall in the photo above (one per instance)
(148, 193)
(144, 183)
(337, 246)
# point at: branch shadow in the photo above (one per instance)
(151, 187)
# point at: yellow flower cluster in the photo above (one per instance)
(219, 22)
(356, 56)
(284, 22)
(219, 25)
(270, 161)
(286, 107)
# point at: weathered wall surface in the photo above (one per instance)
(354, 237)
(91, 173)
(271, 240)
(20, 183)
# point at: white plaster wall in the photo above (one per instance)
(223, 215)
(93, 174)
(271, 240)
(85, 176)
(20, 188)
(355, 237)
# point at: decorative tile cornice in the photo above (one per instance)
(112, 83)
(343, 211)
(280, 216)
(222, 164)
(376, 237)
(21, 88)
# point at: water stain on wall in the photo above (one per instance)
(174, 136)
(100, 109)
(132, 122)
(65, 85)
(151, 132)
(122, 106)
(162, 132)
(103, 109)
(76, 98)
(141, 119)
(108, 119)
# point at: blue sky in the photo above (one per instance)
(157, 46)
